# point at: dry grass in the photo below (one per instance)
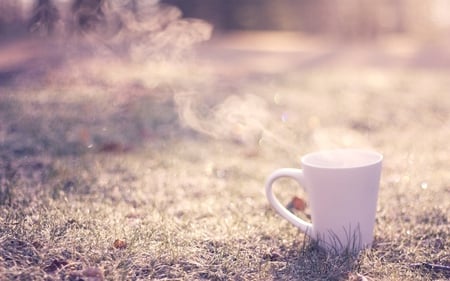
(84, 164)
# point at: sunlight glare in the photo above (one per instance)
(424, 185)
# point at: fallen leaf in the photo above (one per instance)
(37, 244)
(296, 203)
(84, 136)
(133, 216)
(110, 147)
(120, 244)
(251, 152)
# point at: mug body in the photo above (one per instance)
(342, 186)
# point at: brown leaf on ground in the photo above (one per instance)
(111, 147)
(120, 244)
(133, 216)
(84, 136)
(297, 204)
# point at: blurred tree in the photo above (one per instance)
(217, 12)
(88, 13)
(348, 19)
(44, 18)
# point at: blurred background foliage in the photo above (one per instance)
(345, 19)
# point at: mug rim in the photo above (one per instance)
(376, 158)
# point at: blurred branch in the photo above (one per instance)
(431, 266)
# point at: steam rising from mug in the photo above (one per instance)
(129, 28)
(245, 119)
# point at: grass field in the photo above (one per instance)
(114, 171)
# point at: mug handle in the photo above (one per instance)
(297, 175)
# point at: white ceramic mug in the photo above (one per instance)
(342, 187)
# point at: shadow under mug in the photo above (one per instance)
(342, 187)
